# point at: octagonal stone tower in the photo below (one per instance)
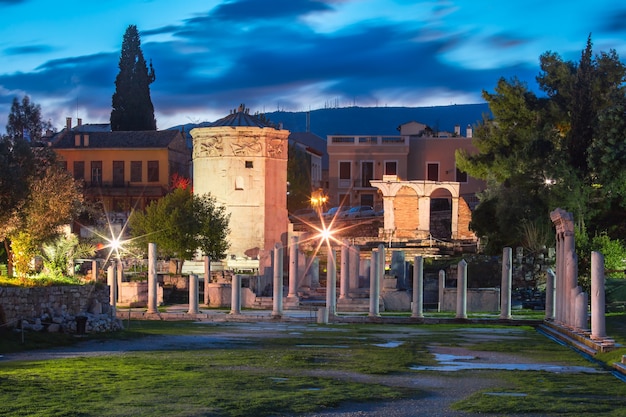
(242, 161)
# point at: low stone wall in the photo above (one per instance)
(478, 299)
(55, 308)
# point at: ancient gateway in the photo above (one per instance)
(408, 210)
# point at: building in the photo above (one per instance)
(412, 177)
(241, 160)
(122, 171)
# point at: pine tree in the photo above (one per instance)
(132, 106)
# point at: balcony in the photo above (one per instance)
(369, 140)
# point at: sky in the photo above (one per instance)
(210, 56)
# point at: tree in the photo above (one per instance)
(181, 223)
(563, 150)
(131, 102)
(25, 122)
(299, 178)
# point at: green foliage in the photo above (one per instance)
(131, 102)
(181, 223)
(25, 122)
(565, 150)
(58, 255)
(299, 178)
(613, 250)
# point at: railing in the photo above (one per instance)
(369, 140)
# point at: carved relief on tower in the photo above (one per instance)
(246, 145)
(209, 145)
(275, 147)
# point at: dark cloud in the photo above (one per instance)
(12, 2)
(616, 21)
(28, 50)
(251, 10)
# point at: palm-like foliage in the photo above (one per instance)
(59, 255)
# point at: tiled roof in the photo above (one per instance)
(240, 118)
(119, 139)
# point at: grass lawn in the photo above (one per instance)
(287, 370)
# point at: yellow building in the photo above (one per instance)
(122, 170)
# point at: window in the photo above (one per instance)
(153, 171)
(391, 168)
(345, 174)
(96, 173)
(249, 164)
(118, 173)
(432, 171)
(135, 171)
(367, 200)
(461, 176)
(367, 174)
(79, 170)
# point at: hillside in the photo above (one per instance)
(374, 120)
(379, 120)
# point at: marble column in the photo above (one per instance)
(314, 272)
(344, 273)
(277, 310)
(94, 270)
(354, 267)
(598, 319)
(505, 287)
(152, 278)
(374, 285)
(193, 294)
(417, 310)
(581, 314)
(235, 295)
(112, 283)
(442, 286)
(331, 283)
(550, 294)
(292, 295)
(119, 273)
(207, 278)
(461, 290)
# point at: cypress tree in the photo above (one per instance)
(132, 106)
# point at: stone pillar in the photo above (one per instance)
(398, 268)
(119, 273)
(374, 285)
(442, 286)
(207, 278)
(598, 319)
(505, 288)
(581, 313)
(235, 295)
(112, 283)
(417, 310)
(550, 294)
(277, 310)
(193, 294)
(292, 295)
(94, 270)
(152, 278)
(331, 283)
(344, 276)
(461, 290)
(354, 267)
(314, 271)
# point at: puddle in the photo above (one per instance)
(506, 394)
(452, 363)
(311, 389)
(388, 344)
(278, 379)
(323, 346)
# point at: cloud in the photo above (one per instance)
(28, 49)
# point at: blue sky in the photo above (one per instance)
(210, 56)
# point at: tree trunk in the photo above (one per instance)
(179, 266)
(7, 248)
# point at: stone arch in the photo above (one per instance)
(406, 212)
(441, 202)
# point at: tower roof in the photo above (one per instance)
(241, 117)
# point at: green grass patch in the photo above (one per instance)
(545, 393)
